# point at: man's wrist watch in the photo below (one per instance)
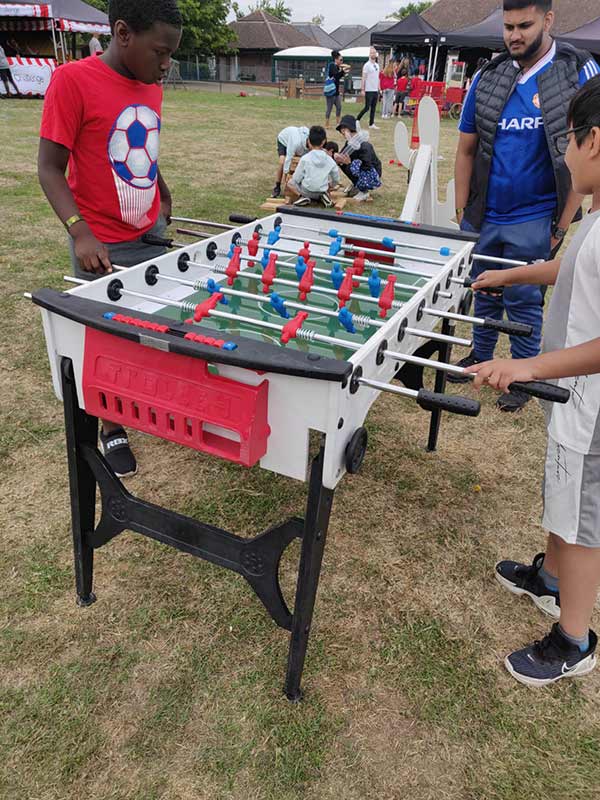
(72, 221)
(558, 232)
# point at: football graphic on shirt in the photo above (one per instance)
(133, 146)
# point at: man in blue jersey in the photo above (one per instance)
(512, 184)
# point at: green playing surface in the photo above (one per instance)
(261, 309)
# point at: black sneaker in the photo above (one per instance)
(326, 200)
(351, 191)
(276, 190)
(522, 579)
(302, 201)
(555, 657)
(511, 402)
(115, 449)
(468, 361)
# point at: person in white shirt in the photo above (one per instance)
(95, 46)
(370, 87)
(5, 74)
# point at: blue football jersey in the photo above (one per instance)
(522, 185)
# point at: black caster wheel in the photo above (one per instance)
(356, 450)
(466, 303)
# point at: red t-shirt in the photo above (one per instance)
(402, 84)
(385, 82)
(111, 125)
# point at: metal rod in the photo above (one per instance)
(304, 334)
(386, 387)
(319, 271)
(396, 304)
(342, 260)
(494, 260)
(439, 337)
(369, 251)
(373, 239)
(71, 279)
(207, 223)
(425, 362)
(265, 298)
(451, 315)
(199, 234)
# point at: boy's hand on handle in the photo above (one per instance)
(490, 279)
(500, 373)
(92, 254)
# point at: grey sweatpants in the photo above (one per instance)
(125, 254)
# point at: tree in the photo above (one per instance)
(276, 8)
(205, 28)
(319, 19)
(410, 8)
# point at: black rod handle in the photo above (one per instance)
(156, 241)
(455, 404)
(543, 391)
(497, 290)
(241, 219)
(505, 326)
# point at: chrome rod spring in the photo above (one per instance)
(306, 335)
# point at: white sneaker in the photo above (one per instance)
(374, 127)
(362, 196)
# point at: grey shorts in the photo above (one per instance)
(125, 254)
(281, 149)
(333, 100)
(571, 493)
(304, 192)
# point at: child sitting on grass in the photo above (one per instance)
(563, 582)
(316, 173)
(358, 160)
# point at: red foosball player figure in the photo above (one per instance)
(102, 119)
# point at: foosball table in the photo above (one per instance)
(241, 345)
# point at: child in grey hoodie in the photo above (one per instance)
(316, 173)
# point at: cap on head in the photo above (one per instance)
(348, 121)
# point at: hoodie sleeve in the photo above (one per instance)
(334, 174)
(300, 172)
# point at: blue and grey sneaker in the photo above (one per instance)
(115, 449)
(552, 659)
(521, 579)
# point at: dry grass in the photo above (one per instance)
(170, 686)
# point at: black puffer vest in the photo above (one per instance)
(557, 86)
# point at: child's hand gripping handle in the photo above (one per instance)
(497, 290)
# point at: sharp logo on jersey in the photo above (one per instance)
(522, 124)
(133, 146)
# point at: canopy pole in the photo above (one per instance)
(435, 60)
(53, 27)
(429, 62)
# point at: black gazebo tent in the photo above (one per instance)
(412, 30)
(587, 37)
(486, 35)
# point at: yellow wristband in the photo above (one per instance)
(73, 221)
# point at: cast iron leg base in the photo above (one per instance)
(256, 559)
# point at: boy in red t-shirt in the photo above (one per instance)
(102, 119)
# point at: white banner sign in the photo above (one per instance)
(32, 75)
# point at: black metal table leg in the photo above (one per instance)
(316, 523)
(445, 354)
(80, 429)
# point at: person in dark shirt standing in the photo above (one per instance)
(336, 72)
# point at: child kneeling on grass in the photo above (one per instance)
(358, 160)
(315, 174)
(563, 582)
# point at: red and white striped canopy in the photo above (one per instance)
(26, 24)
(24, 10)
(83, 27)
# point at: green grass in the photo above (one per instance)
(170, 686)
